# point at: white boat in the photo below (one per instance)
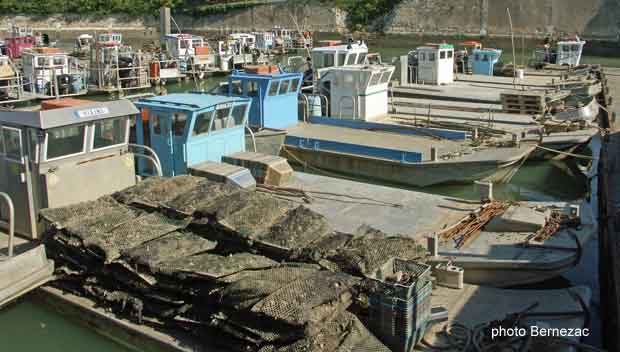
(51, 73)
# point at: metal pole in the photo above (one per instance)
(514, 59)
(9, 202)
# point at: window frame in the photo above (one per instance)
(284, 83)
(211, 115)
(271, 85)
(84, 144)
(294, 82)
(5, 155)
(125, 137)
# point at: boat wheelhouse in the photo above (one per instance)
(231, 55)
(274, 97)
(47, 153)
(356, 92)
(11, 82)
(245, 41)
(83, 44)
(432, 64)
(190, 128)
(566, 52)
(193, 53)
(20, 39)
(485, 60)
(339, 55)
(264, 40)
(52, 73)
(115, 67)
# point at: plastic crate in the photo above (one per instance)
(397, 317)
(419, 273)
(406, 343)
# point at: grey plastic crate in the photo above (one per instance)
(419, 273)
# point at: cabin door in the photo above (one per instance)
(16, 182)
(161, 140)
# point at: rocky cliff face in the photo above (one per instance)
(591, 18)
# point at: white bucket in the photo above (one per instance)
(520, 73)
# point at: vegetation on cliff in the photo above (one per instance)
(361, 13)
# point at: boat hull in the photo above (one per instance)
(421, 174)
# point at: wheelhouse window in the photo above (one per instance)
(42, 61)
(284, 87)
(251, 88)
(59, 61)
(361, 58)
(351, 59)
(65, 141)
(179, 120)
(294, 85)
(12, 143)
(156, 123)
(273, 88)
(221, 120)
(238, 114)
(342, 58)
(442, 54)
(431, 57)
(109, 133)
(328, 60)
(202, 123)
(375, 79)
(385, 77)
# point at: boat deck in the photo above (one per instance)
(352, 204)
(458, 151)
(377, 139)
(472, 305)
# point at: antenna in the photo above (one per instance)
(514, 59)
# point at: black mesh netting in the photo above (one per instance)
(203, 256)
(184, 194)
(169, 247)
(345, 333)
(360, 254)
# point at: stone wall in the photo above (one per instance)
(589, 18)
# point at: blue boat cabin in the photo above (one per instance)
(485, 60)
(274, 97)
(186, 129)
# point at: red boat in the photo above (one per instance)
(21, 38)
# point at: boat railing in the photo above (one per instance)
(9, 202)
(353, 103)
(77, 84)
(305, 107)
(12, 87)
(113, 77)
(140, 151)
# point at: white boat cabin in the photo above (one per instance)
(243, 40)
(357, 92)
(110, 39)
(184, 45)
(339, 55)
(264, 40)
(84, 42)
(435, 64)
(569, 51)
(52, 73)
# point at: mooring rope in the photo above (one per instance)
(579, 156)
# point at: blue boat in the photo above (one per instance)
(347, 129)
(485, 60)
(190, 128)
